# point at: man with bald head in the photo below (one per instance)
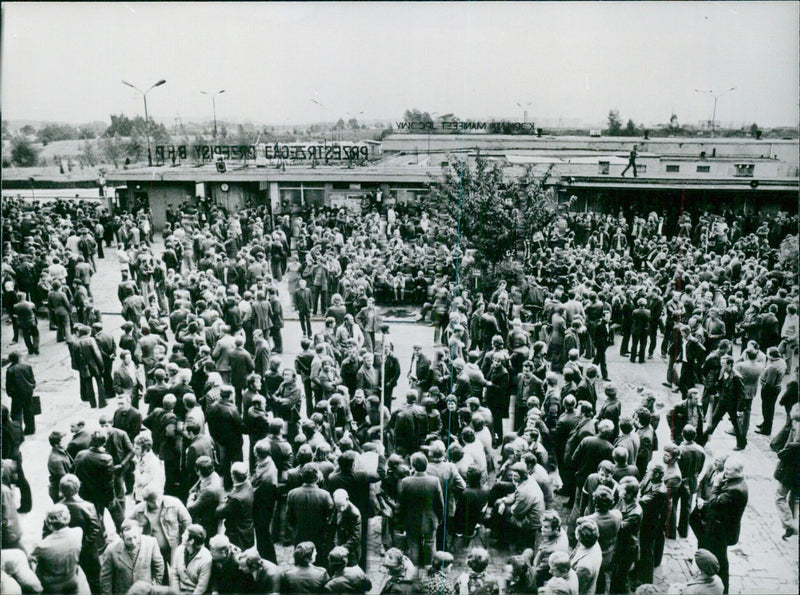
(346, 526)
(723, 513)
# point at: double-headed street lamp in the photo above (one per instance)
(146, 116)
(714, 112)
(214, 105)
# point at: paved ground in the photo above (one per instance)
(761, 563)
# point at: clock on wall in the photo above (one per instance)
(224, 187)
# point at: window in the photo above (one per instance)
(641, 168)
(604, 167)
(744, 170)
(673, 169)
(703, 169)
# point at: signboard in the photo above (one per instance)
(278, 151)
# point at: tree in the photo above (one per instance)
(673, 123)
(56, 132)
(88, 154)
(223, 131)
(478, 205)
(630, 128)
(353, 124)
(112, 149)
(538, 206)
(6, 132)
(754, 131)
(23, 153)
(614, 123)
(27, 130)
(417, 116)
(340, 124)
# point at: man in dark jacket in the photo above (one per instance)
(308, 512)
(303, 304)
(226, 428)
(237, 509)
(420, 510)
(640, 326)
(241, 366)
(205, 496)
(61, 309)
(84, 515)
(95, 470)
(108, 348)
(357, 486)
(603, 338)
(88, 360)
(20, 384)
(346, 526)
(276, 316)
(24, 314)
(723, 514)
(730, 391)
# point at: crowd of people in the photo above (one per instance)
(510, 436)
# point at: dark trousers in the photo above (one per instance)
(262, 522)
(638, 344)
(600, 360)
(87, 390)
(319, 292)
(652, 336)
(768, 398)
(277, 339)
(25, 496)
(108, 382)
(305, 323)
(720, 550)
(725, 406)
(684, 504)
(30, 334)
(228, 454)
(22, 411)
(63, 326)
(621, 568)
(626, 339)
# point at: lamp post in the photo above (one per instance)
(146, 116)
(384, 345)
(322, 116)
(714, 112)
(214, 106)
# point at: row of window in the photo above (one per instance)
(742, 170)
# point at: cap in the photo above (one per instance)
(706, 561)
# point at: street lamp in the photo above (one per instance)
(146, 116)
(522, 106)
(214, 105)
(322, 116)
(714, 112)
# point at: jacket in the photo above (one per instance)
(20, 381)
(347, 531)
(191, 578)
(174, 519)
(203, 501)
(723, 512)
(308, 513)
(57, 562)
(420, 504)
(95, 470)
(225, 424)
(237, 512)
(88, 359)
(119, 572)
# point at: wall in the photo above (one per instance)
(162, 194)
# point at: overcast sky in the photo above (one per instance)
(65, 61)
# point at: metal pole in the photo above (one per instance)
(383, 381)
(147, 129)
(714, 118)
(214, 105)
